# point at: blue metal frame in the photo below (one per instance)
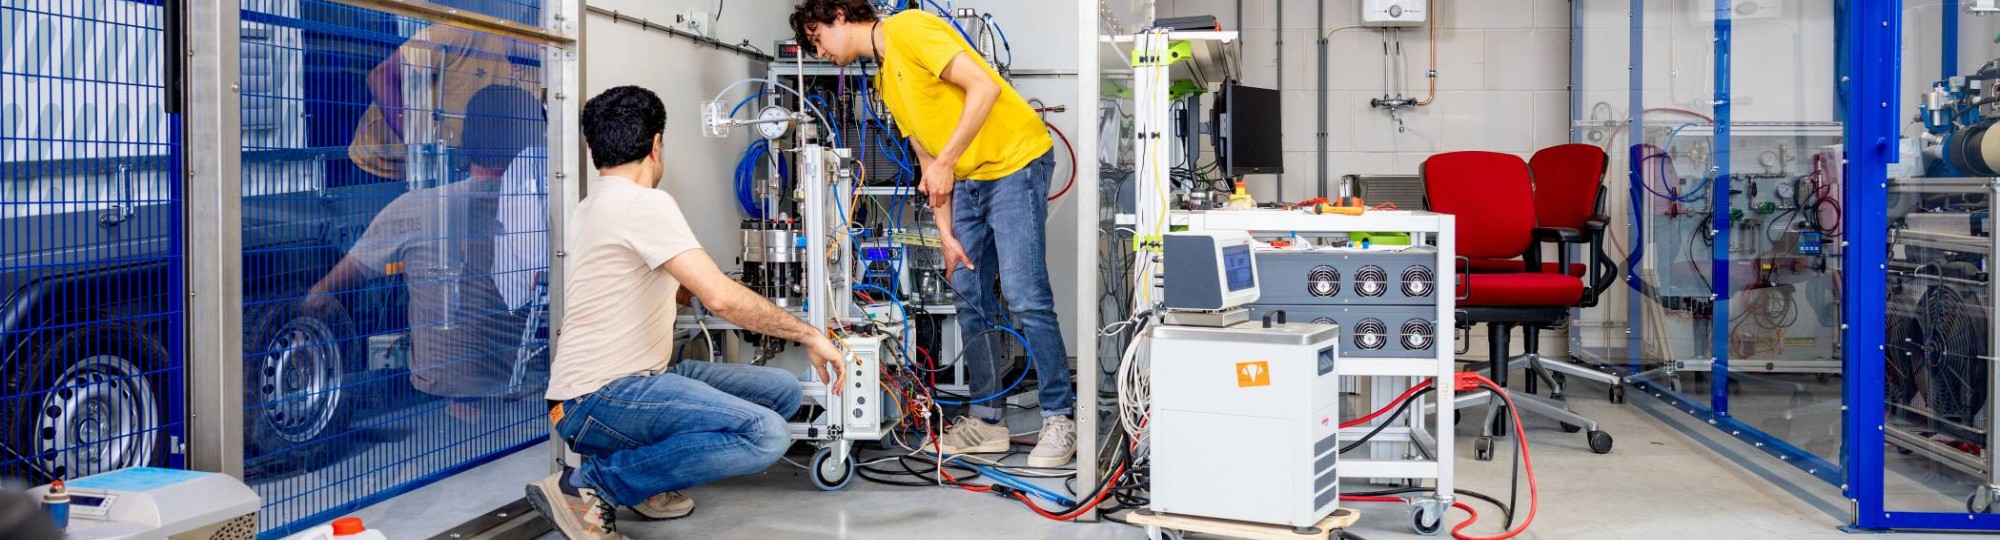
(1719, 220)
(1876, 28)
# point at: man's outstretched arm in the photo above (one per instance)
(738, 304)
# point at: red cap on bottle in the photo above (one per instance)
(348, 525)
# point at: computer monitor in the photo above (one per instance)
(1249, 127)
(1208, 271)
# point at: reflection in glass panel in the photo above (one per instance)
(1733, 208)
(395, 253)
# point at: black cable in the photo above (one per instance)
(1405, 406)
(1513, 485)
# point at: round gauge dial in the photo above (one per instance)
(1786, 190)
(774, 129)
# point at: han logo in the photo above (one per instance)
(1250, 374)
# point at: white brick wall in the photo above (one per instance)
(1503, 73)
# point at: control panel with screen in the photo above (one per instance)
(1209, 271)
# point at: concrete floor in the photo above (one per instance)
(1668, 477)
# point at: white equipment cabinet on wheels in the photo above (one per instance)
(1395, 452)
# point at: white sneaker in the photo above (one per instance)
(968, 435)
(577, 513)
(669, 505)
(1057, 445)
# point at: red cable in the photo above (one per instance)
(1072, 162)
(1386, 408)
(1527, 462)
(1080, 511)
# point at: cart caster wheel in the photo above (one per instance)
(1980, 501)
(1482, 449)
(1674, 385)
(829, 474)
(1571, 428)
(1617, 394)
(1426, 521)
(1154, 532)
(1600, 442)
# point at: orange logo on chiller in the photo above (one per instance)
(1253, 374)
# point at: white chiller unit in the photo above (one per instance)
(1245, 421)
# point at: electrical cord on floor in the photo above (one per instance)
(1527, 463)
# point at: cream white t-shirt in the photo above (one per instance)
(618, 317)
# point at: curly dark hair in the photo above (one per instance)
(823, 11)
(620, 123)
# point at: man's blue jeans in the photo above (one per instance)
(697, 423)
(1001, 224)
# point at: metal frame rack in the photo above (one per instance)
(1385, 373)
(1906, 438)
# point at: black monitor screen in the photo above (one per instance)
(1250, 127)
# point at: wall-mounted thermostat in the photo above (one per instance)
(1392, 12)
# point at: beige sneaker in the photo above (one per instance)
(1057, 445)
(968, 435)
(669, 505)
(577, 513)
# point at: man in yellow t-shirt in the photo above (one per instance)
(986, 169)
(452, 65)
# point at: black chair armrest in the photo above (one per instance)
(1596, 223)
(1559, 234)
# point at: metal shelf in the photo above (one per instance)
(1942, 185)
(1961, 243)
(1217, 56)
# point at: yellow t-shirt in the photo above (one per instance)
(458, 63)
(927, 107)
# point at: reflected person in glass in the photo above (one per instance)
(469, 253)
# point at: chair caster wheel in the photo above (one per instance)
(1482, 449)
(1617, 394)
(1600, 442)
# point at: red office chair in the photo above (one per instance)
(1569, 212)
(1494, 200)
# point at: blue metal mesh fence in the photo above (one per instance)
(395, 253)
(90, 289)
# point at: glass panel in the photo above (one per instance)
(90, 259)
(1732, 201)
(1938, 375)
(1602, 98)
(395, 254)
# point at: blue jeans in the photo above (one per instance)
(697, 423)
(1002, 225)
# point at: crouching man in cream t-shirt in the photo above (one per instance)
(650, 430)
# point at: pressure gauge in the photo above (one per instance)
(777, 122)
(1786, 190)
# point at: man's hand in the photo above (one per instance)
(954, 255)
(937, 182)
(828, 361)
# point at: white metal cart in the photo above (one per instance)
(1390, 451)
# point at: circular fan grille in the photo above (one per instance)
(1417, 281)
(1371, 281)
(1417, 335)
(1371, 334)
(1323, 281)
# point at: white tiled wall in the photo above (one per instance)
(1503, 75)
